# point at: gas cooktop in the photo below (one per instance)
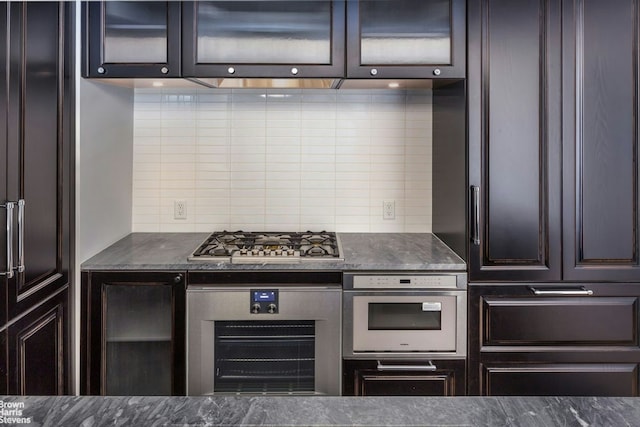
(268, 247)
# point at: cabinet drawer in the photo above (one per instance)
(561, 321)
(560, 380)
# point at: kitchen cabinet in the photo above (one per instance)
(365, 378)
(514, 130)
(406, 39)
(263, 39)
(554, 339)
(133, 333)
(131, 39)
(601, 222)
(38, 345)
(36, 188)
(553, 170)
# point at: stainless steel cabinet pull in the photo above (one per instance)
(429, 367)
(21, 236)
(9, 207)
(475, 214)
(579, 292)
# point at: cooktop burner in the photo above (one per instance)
(275, 247)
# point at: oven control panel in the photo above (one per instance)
(404, 281)
(263, 301)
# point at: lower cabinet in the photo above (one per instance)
(546, 339)
(38, 349)
(135, 333)
(574, 379)
(414, 378)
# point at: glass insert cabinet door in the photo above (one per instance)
(406, 38)
(279, 38)
(138, 339)
(132, 39)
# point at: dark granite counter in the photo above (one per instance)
(362, 251)
(322, 411)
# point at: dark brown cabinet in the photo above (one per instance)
(554, 339)
(282, 39)
(406, 39)
(514, 119)
(420, 378)
(131, 39)
(36, 192)
(600, 133)
(553, 141)
(133, 333)
(39, 349)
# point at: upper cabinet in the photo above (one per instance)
(514, 140)
(275, 39)
(131, 39)
(406, 39)
(601, 221)
(553, 141)
(263, 38)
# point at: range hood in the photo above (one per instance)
(254, 83)
(268, 83)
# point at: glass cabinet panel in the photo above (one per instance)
(405, 32)
(264, 32)
(135, 32)
(138, 339)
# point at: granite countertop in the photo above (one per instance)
(323, 411)
(361, 251)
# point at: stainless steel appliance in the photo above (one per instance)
(395, 316)
(268, 247)
(264, 333)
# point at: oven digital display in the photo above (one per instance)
(264, 296)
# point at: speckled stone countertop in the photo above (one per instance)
(324, 411)
(361, 251)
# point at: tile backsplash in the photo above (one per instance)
(282, 160)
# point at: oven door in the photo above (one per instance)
(403, 323)
(234, 349)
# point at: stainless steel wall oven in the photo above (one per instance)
(264, 333)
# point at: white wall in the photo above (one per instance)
(105, 165)
(289, 160)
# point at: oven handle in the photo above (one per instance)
(429, 367)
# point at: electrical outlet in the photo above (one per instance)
(389, 209)
(180, 209)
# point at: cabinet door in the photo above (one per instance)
(131, 39)
(600, 90)
(548, 379)
(38, 345)
(280, 38)
(406, 38)
(135, 326)
(514, 140)
(554, 339)
(366, 378)
(39, 149)
(4, 263)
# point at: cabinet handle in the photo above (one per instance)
(9, 207)
(581, 292)
(429, 367)
(475, 214)
(177, 279)
(21, 236)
